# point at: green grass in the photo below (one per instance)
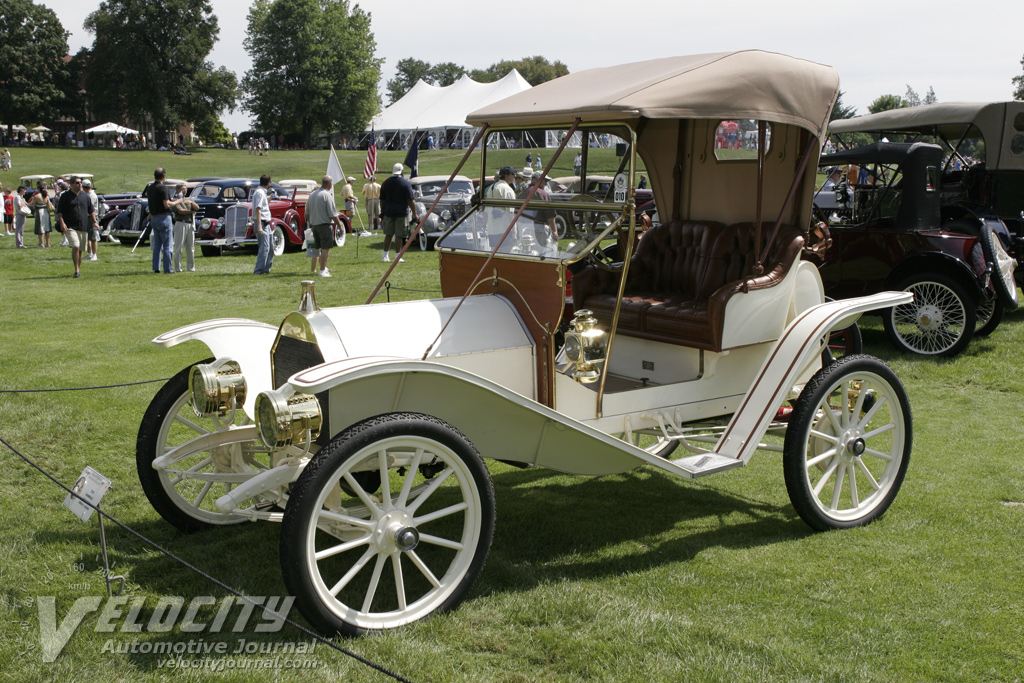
(635, 577)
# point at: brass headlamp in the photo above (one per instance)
(216, 387)
(283, 420)
(585, 347)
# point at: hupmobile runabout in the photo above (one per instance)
(685, 343)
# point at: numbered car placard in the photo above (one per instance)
(91, 486)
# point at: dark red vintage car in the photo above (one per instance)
(889, 230)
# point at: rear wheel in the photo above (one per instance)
(848, 443)
(940, 321)
(990, 314)
(390, 523)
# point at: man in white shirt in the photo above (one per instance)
(261, 226)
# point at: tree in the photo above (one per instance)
(410, 70)
(1018, 85)
(885, 103)
(34, 78)
(149, 59)
(841, 111)
(407, 72)
(535, 70)
(446, 73)
(314, 67)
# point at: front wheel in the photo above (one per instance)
(940, 321)
(279, 241)
(208, 250)
(390, 523)
(847, 445)
(340, 236)
(214, 454)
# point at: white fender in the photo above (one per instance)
(797, 348)
(242, 340)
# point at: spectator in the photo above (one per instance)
(21, 210)
(184, 230)
(322, 217)
(160, 206)
(397, 201)
(5, 160)
(42, 207)
(349, 195)
(371, 191)
(577, 164)
(261, 227)
(94, 231)
(8, 210)
(75, 216)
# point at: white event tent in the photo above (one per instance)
(442, 111)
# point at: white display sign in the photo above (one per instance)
(90, 486)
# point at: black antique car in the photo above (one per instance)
(889, 230)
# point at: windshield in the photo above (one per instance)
(562, 224)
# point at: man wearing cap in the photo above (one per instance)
(397, 201)
(349, 195)
(371, 192)
(75, 216)
(321, 217)
(94, 232)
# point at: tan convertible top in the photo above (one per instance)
(727, 85)
(998, 122)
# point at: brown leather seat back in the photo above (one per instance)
(674, 258)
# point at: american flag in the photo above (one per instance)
(371, 156)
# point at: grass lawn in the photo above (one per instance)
(636, 577)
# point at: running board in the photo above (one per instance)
(706, 463)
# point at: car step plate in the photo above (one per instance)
(706, 463)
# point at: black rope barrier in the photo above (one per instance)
(102, 386)
(388, 287)
(217, 582)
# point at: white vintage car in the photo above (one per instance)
(364, 429)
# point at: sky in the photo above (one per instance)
(966, 51)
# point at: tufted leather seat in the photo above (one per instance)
(682, 276)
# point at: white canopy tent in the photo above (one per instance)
(437, 110)
(110, 127)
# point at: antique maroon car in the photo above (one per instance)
(287, 220)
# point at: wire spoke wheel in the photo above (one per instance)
(389, 524)
(184, 493)
(848, 443)
(940, 321)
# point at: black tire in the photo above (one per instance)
(858, 410)
(169, 421)
(990, 314)
(209, 251)
(939, 322)
(1003, 267)
(440, 469)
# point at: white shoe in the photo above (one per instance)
(325, 273)
(385, 259)
(366, 233)
(94, 257)
(401, 260)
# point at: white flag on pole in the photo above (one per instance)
(334, 168)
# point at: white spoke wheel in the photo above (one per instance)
(848, 443)
(940, 321)
(185, 494)
(279, 241)
(340, 235)
(388, 524)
